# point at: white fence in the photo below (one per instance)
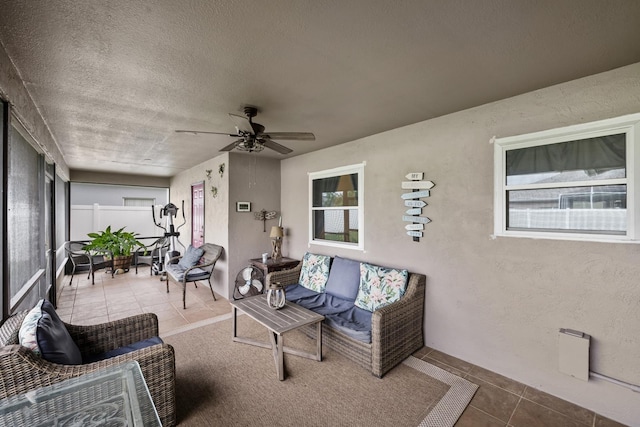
(569, 219)
(92, 218)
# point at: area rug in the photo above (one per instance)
(223, 383)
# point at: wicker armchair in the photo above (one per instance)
(396, 329)
(22, 370)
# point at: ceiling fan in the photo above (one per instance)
(252, 137)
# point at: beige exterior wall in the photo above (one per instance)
(497, 303)
(247, 178)
(216, 212)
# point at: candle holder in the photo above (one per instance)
(276, 297)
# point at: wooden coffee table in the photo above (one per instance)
(277, 322)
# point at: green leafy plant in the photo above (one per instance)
(118, 243)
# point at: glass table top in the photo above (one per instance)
(115, 396)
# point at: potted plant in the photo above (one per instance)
(120, 244)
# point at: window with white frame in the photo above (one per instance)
(574, 183)
(336, 199)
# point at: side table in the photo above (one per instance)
(273, 265)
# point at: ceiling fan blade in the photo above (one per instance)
(292, 136)
(275, 146)
(230, 146)
(242, 123)
(196, 132)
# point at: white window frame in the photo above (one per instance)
(629, 125)
(343, 170)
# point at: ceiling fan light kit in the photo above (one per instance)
(252, 136)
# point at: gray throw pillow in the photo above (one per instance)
(191, 257)
(44, 333)
(344, 278)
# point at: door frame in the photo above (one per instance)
(193, 211)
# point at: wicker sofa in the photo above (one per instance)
(396, 329)
(23, 371)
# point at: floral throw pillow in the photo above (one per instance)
(315, 272)
(380, 286)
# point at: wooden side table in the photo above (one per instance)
(273, 265)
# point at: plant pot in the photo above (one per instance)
(122, 262)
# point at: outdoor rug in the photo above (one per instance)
(223, 383)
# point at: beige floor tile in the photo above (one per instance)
(65, 318)
(459, 364)
(118, 289)
(606, 422)
(166, 314)
(167, 325)
(66, 311)
(89, 320)
(493, 400)
(422, 352)
(473, 417)
(497, 380)
(123, 306)
(529, 414)
(91, 307)
(66, 302)
(152, 300)
(569, 409)
(197, 314)
(124, 314)
(444, 366)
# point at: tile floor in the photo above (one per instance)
(499, 401)
(127, 294)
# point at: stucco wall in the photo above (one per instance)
(215, 208)
(247, 178)
(255, 179)
(497, 303)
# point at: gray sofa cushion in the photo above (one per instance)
(122, 350)
(295, 292)
(344, 278)
(354, 322)
(339, 313)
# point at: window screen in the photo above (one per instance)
(24, 217)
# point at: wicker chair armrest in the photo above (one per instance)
(23, 371)
(284, 277)
(100, 338)
(200, 266)
(396, 329)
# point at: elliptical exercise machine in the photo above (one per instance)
(168, 247)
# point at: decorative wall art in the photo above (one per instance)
(263, 216)
(419, 189)
(213, 188)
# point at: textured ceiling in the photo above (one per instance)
(114, 79)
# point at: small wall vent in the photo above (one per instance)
(574, 353)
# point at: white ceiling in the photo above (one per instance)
(114, 79)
